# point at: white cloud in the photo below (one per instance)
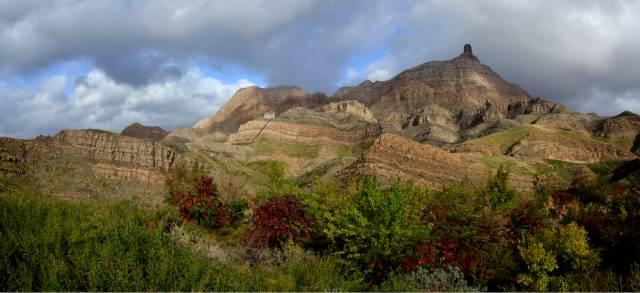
(97, 101)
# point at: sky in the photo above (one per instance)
(105, 64)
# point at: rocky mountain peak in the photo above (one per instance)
(468, 53)
(138, 130)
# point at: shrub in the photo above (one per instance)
(377, 227)
(447, 279)
(201, 203)
(555, 255)
(498, 191)
(237, 207)
(538, 261)
(278, 221)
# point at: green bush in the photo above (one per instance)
(377, 227)
(498, 193)
(553, 256)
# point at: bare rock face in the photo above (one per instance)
(439, 100)
(102, 145)
(436, 102)
(252, 102)
(294, 131)
(353, 107)
(26, 150)
(468, 53)
(622, 128)
(454, 84)
(396, 157)
(138, 130)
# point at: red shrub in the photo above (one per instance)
(277, 221)
(202, 204)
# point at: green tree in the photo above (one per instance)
(554, 256)
(499, 193)
(377, 226)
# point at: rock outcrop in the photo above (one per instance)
(102, 145)
(621, 129)
(252, 102)
(439, 100)
(536, 142)
(396, 157)
(138, 130)
(352, 107)
(26, 150)
(299, 133)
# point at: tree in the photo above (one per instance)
(377, 227)
(498, 191)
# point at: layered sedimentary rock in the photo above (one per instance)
(352, 107)
(535, 146)
(138, 130)
(102, 145)
(621, 129)
(438, 100)
(299, 133)
(127, 173)
(396, 157)
(26, 150)
(252, 102)
(536, 142)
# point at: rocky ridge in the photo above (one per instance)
(252, 102)
(102, 145)
(138, 130)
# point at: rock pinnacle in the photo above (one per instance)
(468, 52)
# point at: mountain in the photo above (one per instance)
(441, 121)
(138, 130)
(438, 101)
(248, 103)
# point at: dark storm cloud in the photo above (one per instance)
(290, 41)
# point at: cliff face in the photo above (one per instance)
(456, 84)
(299, 133)
(437, 101)
(26, 150)
(100, 145)
(252, 102)
(352, 107)
(138, 130)
(396, 157)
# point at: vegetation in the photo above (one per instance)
(312, 234)
(56, 245)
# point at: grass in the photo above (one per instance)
(290, 149)
(516, 167)
(506, 137)
(51, 244)
(511, 136)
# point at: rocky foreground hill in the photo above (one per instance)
(440, 121)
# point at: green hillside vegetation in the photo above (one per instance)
(313, 234)
(56, 245)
